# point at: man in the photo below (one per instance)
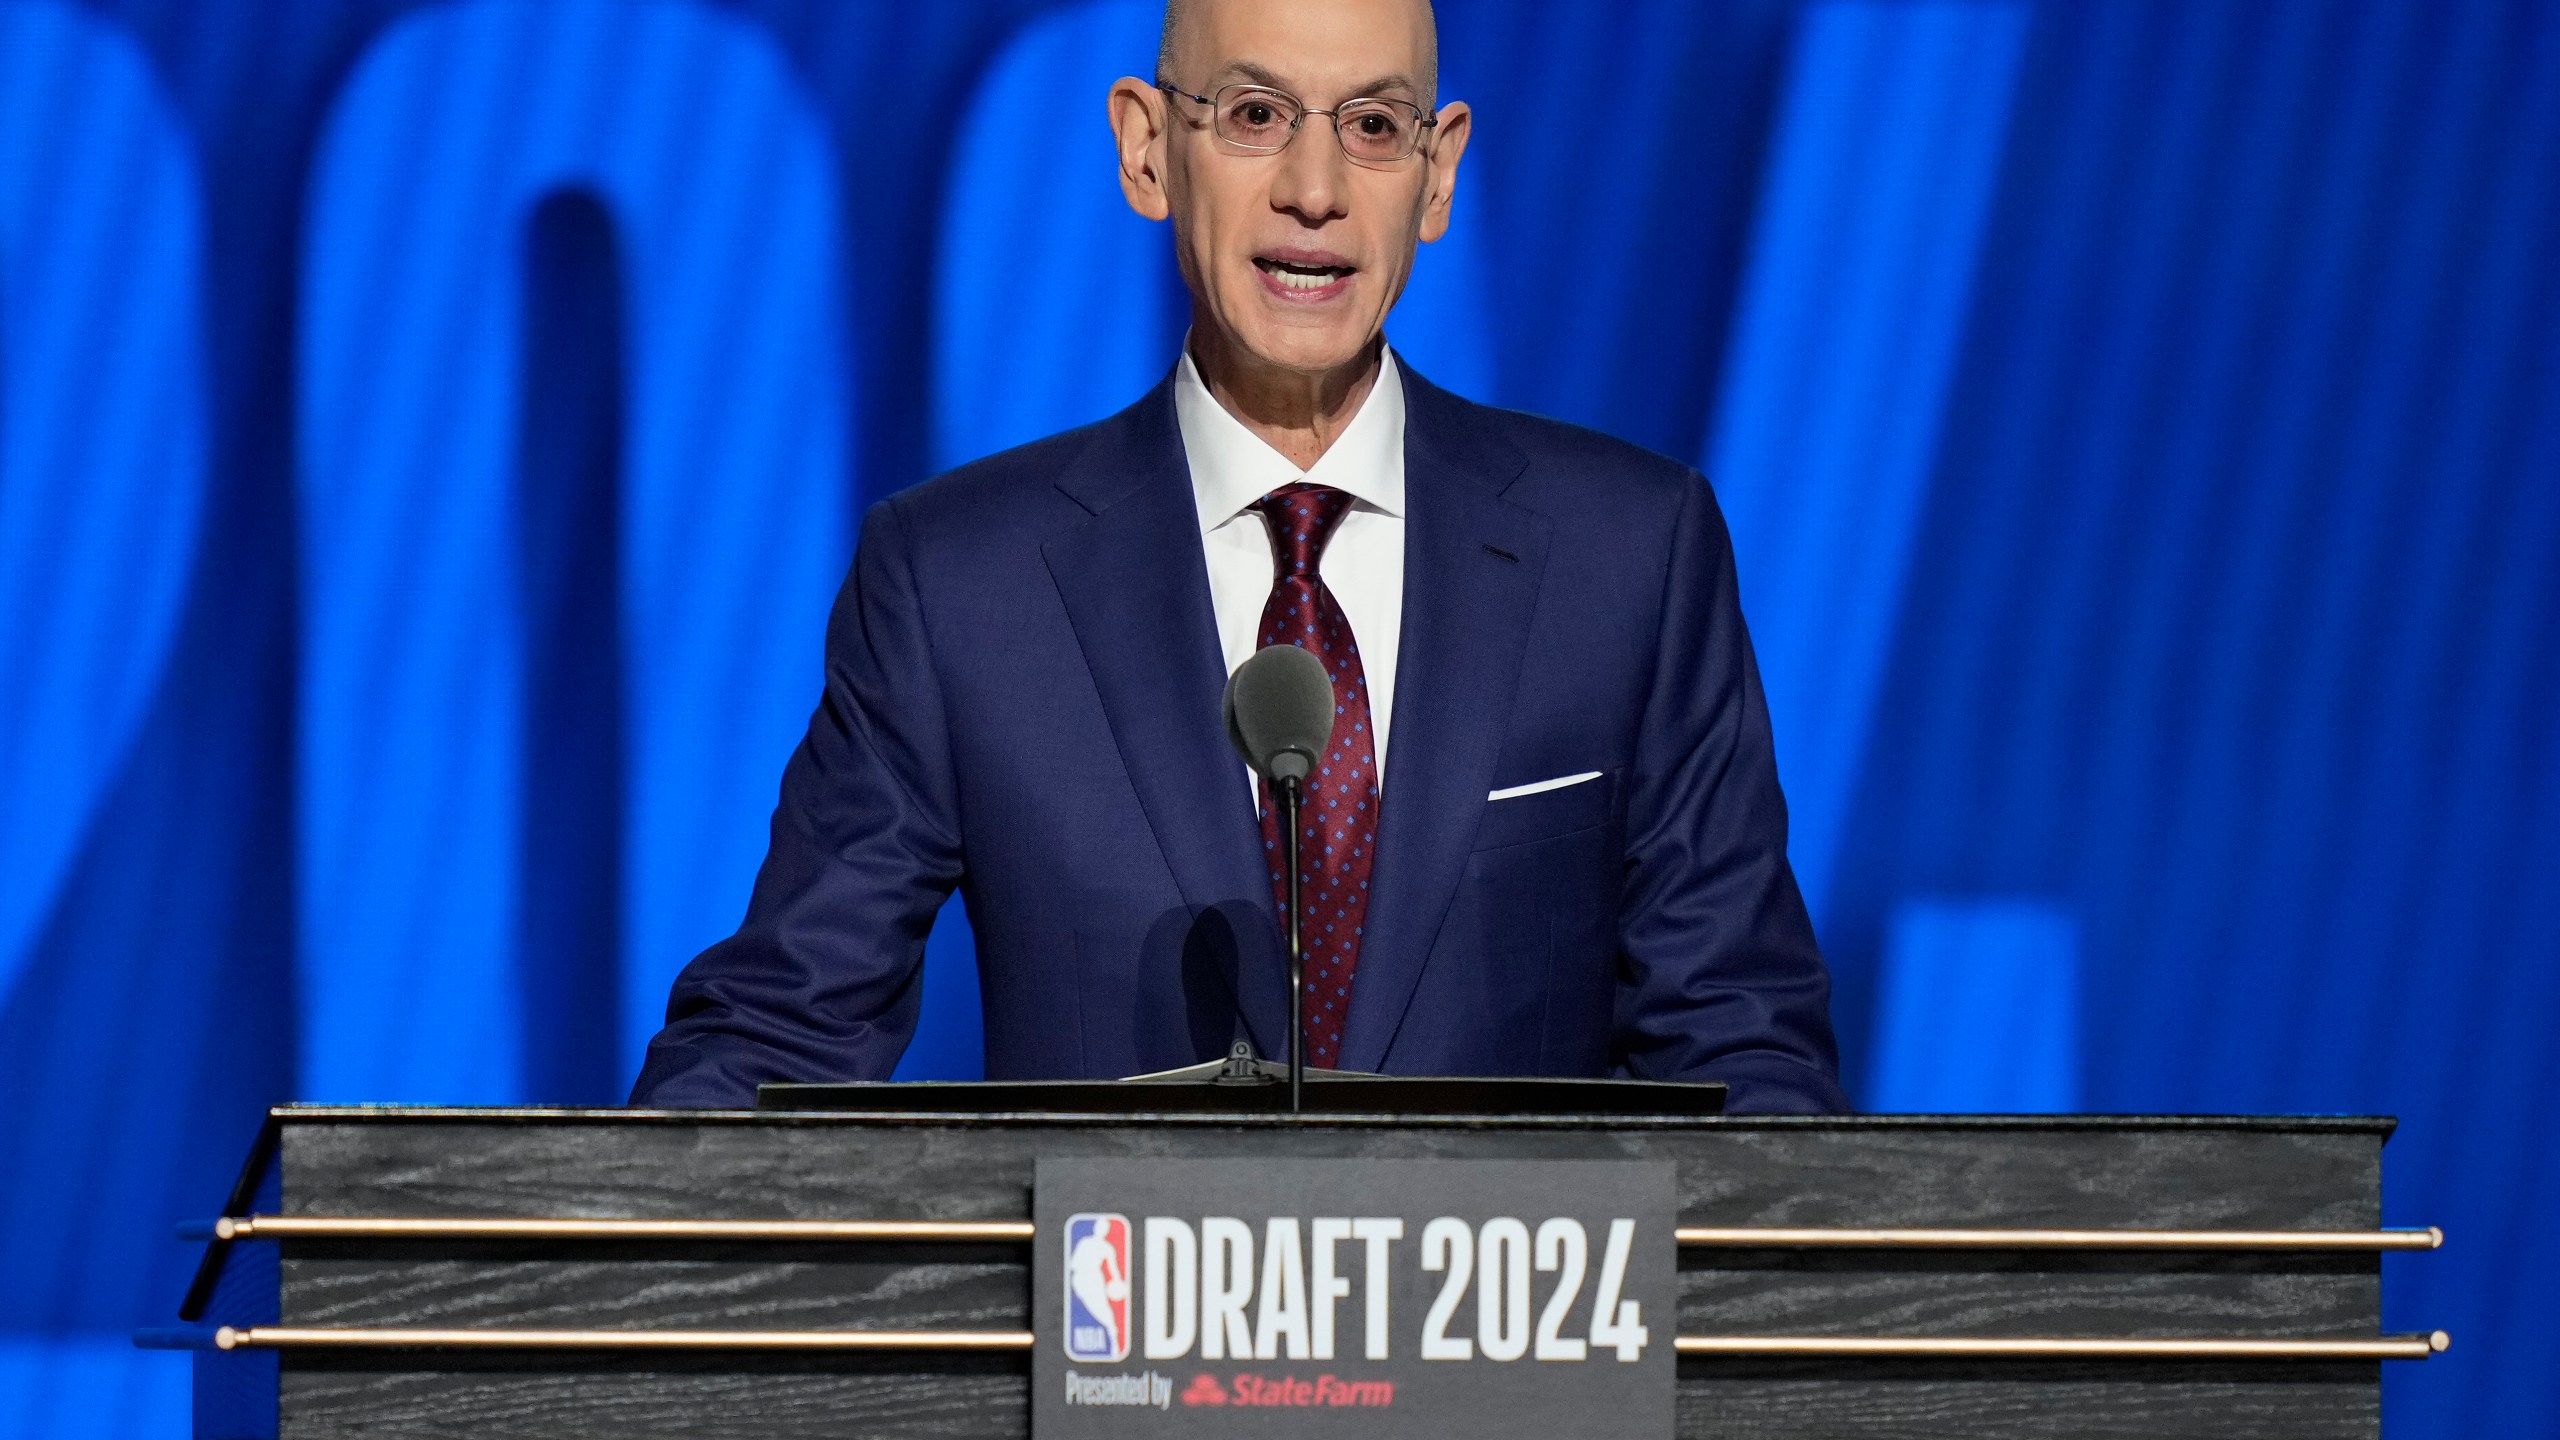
(1576, 862)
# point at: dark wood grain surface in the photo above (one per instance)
(2096, 1173)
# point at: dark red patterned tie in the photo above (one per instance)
(1338, 829)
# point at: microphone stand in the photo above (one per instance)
(1293, 795)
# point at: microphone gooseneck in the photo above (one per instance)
(1279, 714)
(1292, 795)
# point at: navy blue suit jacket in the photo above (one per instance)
(1022, 700)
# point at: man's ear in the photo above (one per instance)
(1448, 146)
(1138, 125)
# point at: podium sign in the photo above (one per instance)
(1272, 1296)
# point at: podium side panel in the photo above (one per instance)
(235, 1390)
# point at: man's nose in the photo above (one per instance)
(1309, 183)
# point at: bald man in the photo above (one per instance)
(1572, 861)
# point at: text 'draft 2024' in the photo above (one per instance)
(1489, 1298)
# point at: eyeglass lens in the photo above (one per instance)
(1253, 118)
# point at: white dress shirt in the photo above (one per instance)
(1363, 564)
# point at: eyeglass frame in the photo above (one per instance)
(1424, 120)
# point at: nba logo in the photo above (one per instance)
(1098, 1288)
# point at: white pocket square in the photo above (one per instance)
(1539, 787)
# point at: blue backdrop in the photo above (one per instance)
(430, 435)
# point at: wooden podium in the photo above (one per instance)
(630, 1274)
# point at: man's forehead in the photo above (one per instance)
(1357, 47)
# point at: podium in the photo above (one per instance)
(632, 1274)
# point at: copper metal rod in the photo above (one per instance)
(282, 1337)
(1915, 1347)
(1762, 1237)
(333, 1227)
(287, 1337)
(330, 1227)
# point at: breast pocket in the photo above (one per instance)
(1543, 814)
(1543, 885)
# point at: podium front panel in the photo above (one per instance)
(2209, 1176)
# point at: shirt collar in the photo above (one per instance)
(1231, 467)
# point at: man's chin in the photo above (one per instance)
(1307, 351)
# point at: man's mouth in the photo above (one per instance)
(1301, 275)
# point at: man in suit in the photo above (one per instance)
(1548, 838)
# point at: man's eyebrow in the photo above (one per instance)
(1387, 84)
(1253, 74)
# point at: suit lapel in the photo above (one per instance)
(1136, 588)
(1472, 566)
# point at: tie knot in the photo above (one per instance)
(1302, 518)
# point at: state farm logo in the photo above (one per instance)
(1289, 1391)
(1205, 1390)
(1098, 1288)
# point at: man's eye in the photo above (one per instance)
(1258, 115)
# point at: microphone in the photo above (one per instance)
(1279, 711)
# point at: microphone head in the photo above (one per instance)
(1279, 709)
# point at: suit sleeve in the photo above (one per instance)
(821, 981)
(1720, 976)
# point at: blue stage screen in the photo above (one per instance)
(431, 435)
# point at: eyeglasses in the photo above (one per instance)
(1262, 121)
